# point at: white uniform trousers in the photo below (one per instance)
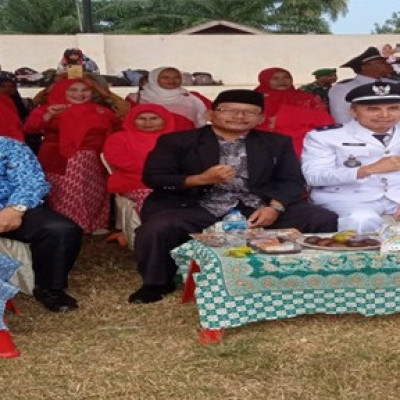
(362, 216)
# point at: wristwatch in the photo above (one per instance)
(277, 207)
(19, 207)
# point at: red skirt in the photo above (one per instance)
(138, 196)
(81, 193)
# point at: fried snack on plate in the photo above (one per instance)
(290, 234)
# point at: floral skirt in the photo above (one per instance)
(81, 193)
(138, 196)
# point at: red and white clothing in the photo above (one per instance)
(70, 153)
(291, 112)
(126, 152)
(80, 193)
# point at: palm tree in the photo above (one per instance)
(250, 12)
(391, 25)
(304, 16)
(160, 16)
(39, 16)
(87, 15)
(166, 16)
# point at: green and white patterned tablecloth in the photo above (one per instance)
(235, 291)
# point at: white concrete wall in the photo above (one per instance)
(235, 59)
(209, 91)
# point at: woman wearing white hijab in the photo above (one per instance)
(164, 88)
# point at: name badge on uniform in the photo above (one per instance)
(352, 162)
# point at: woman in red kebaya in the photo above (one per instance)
(74, 131)
(288, 110)
(10, 123)
(126, 151)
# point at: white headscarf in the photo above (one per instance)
(179, 101)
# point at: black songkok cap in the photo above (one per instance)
(375, 93)
(239, 96)
(372, 53)
(7, 77)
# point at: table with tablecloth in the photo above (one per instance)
(235, 291)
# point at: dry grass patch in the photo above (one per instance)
(109, 349)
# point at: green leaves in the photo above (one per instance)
(391, 25)
(39, 16)
(167, 16)
(304, 16)
(159, 16)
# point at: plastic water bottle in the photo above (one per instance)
(234, 224)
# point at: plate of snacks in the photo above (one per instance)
(210, 239)
(274, 245)
(341, 241)
(289, 234)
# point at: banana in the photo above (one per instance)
(239, 252)
(344, 236)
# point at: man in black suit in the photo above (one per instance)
(199, 175)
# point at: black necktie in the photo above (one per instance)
(380, 138)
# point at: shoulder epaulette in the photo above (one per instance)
(345, 81)
(327, 127)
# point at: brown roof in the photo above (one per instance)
(221, 27)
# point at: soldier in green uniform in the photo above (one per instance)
(324, 79)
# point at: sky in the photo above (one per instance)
(363, 14)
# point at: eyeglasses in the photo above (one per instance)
(231, 112)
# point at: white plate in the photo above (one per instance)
(210, 239)
(295, 249)
(315, 247)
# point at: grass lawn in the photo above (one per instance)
(110, 349)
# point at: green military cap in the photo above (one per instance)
(324, 71)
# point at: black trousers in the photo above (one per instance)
(55, 242)
(164, 229)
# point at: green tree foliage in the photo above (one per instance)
(162, 16)
(304, 16)
(167, 16)
(39, 16)
(391, 25)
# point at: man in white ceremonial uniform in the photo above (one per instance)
(369, 66)
(354, 169)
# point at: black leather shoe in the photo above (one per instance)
(55, 300)
(151, 293)
(145, 296)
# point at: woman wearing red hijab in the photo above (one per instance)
(74, 131)
(288, 110)
(10, 123)
(126, 151)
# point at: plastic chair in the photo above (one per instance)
(126, 217)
